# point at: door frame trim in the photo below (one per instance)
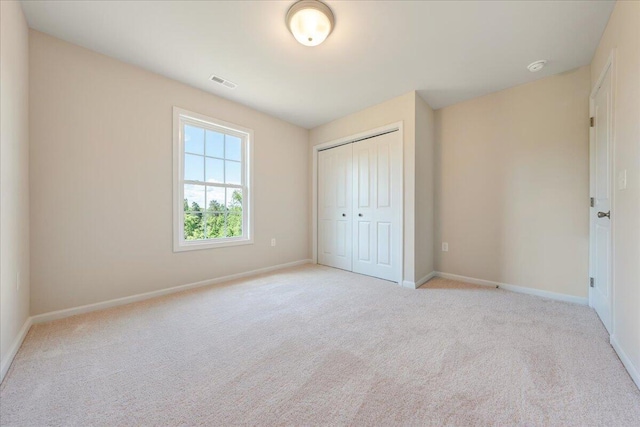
(608, 65)
(314, 183)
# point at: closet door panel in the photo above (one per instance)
(343, 239)
(364, 241)
(335, 198)
(384, 243)
(363, 177)
(377, 197)
(384, 176)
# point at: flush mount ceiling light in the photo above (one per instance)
(537, 66)
(310, 22)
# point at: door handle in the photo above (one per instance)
(359, 214)
(602, 214)
(344, 214)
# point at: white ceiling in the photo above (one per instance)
(448, 51)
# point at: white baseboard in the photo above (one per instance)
(416, 285)
(633, 371)
(60, 314)
(520, 289)
(15, 346)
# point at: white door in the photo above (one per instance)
(334, 207)
(377, 194)
(601, 185)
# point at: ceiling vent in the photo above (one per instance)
(223, 82)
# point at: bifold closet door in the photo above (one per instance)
(377, 194)
(335, 216)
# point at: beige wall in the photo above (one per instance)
(14, 179)
(623, 34)
(101, 174)
(401, 108)
(512, 185)
(425, 143)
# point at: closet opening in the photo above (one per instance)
(358, 199)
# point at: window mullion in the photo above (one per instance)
(212, 184)
(204, 159)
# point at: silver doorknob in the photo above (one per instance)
(602, 214)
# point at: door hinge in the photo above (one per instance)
(592, 202)
(592, 121)
(592, 282)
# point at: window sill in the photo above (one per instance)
(198, 245)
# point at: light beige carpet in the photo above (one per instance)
(318, 346)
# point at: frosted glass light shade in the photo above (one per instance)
(310, 22)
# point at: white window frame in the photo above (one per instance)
(180, 117)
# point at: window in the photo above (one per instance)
(212, 191)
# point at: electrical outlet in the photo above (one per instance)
(445, 247)
(273, 241)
